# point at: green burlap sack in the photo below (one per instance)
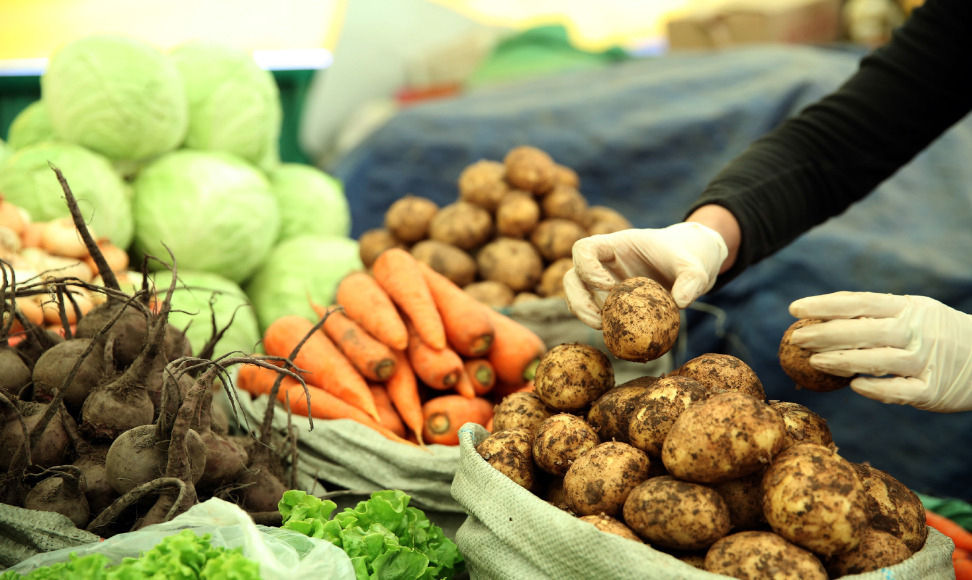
(511, 533)
(24, 533)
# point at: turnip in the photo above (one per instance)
(63, 492)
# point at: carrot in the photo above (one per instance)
(962, 563)
(464, 385)
(373, 358)
(326, 365)
(481, 373)
(516, 349)
(949, 527)
(402, 388)
(439, 368)
(389, 415)
(365, 302)
(445, 414)
(468, 328)
(398, 273)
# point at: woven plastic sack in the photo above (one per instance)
(282, 554)
(25, 532)
(511, 533)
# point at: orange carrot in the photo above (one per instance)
(398, 273)
(438, 368)
(389, 416)
(951, 528)
(481, 373)
(402, 388)
(444, 415)
(468, 328)
(366, 303)
(326, 365)
(373, 358)
(464, 385)
(516, 349)
(962, 563)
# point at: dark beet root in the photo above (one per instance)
(63, 493)
(97, 489)
(14, 371)
(260, 490)
(139, 455)
(53, 368)
(52, 446)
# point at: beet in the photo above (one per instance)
(61, 492)
(97, 488)
(140, 455)
(14, 371)
(52, 445)
(54, 368)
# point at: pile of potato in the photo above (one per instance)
(509, 234)
(698, 463)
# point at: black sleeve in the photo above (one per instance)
(834, 152)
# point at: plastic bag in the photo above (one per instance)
(281, 554)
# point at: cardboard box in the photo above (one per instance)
(736, 22)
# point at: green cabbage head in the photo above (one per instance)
(303, 267)
(27, 180)
(31, 125)
(311, 202)
(119, 96)
(4, 151)
(234, 105)
(213, 210)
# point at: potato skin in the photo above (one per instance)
(511, 453)
(640, 320)
(795, 361)
(554, 237)
(676, 514)
(659, 407)
(756, 554)
(552, 279)
(599, 480)
(570, 376)
(522, 409)
(893, 507)
(559, 439)
(375, 241)
(814, 498)
(482, 183)
(600, 219)
(803, 425)
(611, 525)
(530, 168)
(744, 497)
(610, 413)
(723, 372)
(513, 262)
(726, 436)
(452, 262)
(876, 550)
(491, 293)
(517, 214)
(408, 217)
(462, 224)
(565, 202)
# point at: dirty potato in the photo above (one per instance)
(564, 175)
(513, 262)
(511, 453)
(744, 497)
(408, 217)
(570, 376)
(530, 168)
(795, 361)
(876, 550)
(552, 279)
(565, 202)
(755, 554)
(554, 237)
(559, 440)
(606, 523)
(658, 408)
(452, 262)
(482, 183)
(525, 297)
(517, 214)
(522, 409)
(462, 224)
(640, 320)
(375, 241)
(727, 435)
(599, 480)
(610, 413)
(893, 507)
(600, 219)
(814, 498)
(802, 424)
(723, 372)
(676, 514)
(491, 293)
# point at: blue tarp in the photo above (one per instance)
(645, 136)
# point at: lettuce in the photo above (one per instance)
(383, 536)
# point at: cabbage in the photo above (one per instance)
(303, 267)
(4, 151)
(214, 212)
(31, 125)
(310, 201)
(234, 105)
(119, 96)
(191, 311)
(27, 180)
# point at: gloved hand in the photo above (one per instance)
(908, 350)
(684, 258)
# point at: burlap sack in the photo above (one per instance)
(511, 533)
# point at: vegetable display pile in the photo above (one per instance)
(698, 463)
(404, 350)
(509, 234)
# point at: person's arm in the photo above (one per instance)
(723, 222)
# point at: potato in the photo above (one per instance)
(565, 202)
(564, 175)
(570, 376)
(599, 219)
(552, 279)
(482, 183)
(893, 507)
(762, 554)
(600, 479)
(640, 320)
(726, 436)
(375, 241)
(802, 424)
(723, 372)
(744, 497)
(795, 361)
(522, 409)
(876, 550)
(452, 262)
(525, 297)
(511, 453)
(609, 414)
(553, 493)
(675, 514)
(530, 169)
(611, 525)
(657, 410)
(462, 224)
(554, 237)
(517, 214)
(559, 440)
(408, 218)
(513, 262)
(814, 498)
(490, 292)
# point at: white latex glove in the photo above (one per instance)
(684, 258)
(909, 350)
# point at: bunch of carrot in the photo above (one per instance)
(403, 350)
